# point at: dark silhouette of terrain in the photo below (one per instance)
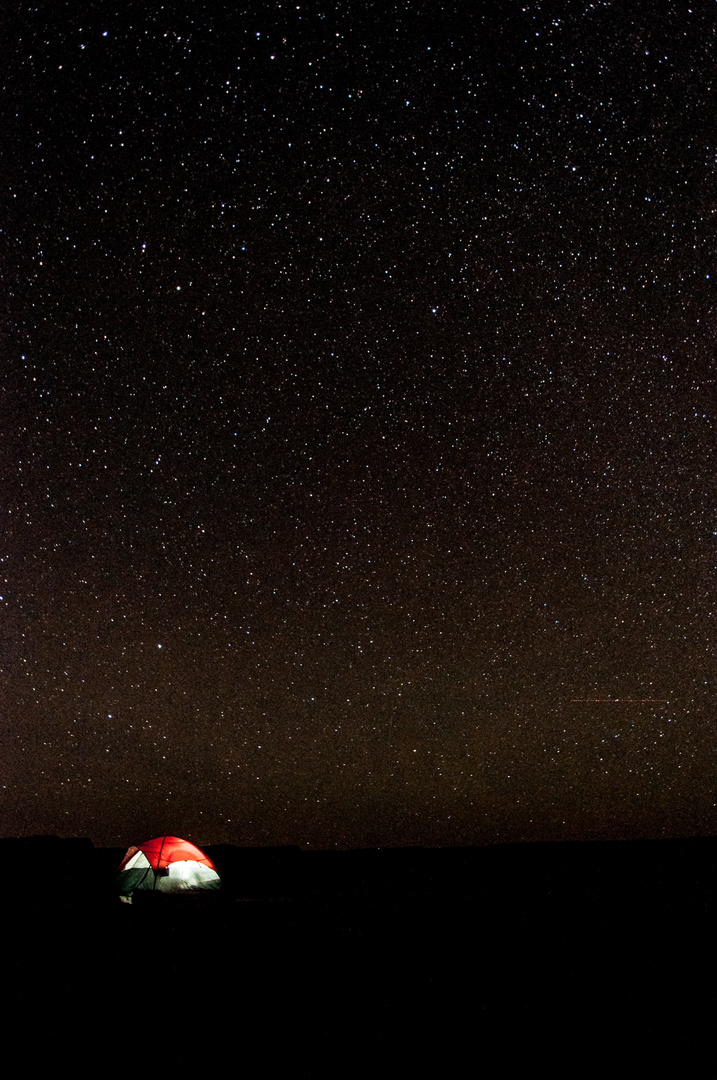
(559, 954)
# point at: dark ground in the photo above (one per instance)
(565, 956)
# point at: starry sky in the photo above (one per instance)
(358, 417)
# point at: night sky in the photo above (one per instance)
(358, 421)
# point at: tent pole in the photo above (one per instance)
(159, 859)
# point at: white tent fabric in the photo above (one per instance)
(139, 860)
(187, 875)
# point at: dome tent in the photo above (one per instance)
(167, 865)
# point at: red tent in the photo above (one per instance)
(168, 865)
(168, 849)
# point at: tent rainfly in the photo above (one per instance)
(166, 864)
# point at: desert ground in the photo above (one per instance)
(324, 962)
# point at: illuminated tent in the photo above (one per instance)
(168, 865)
